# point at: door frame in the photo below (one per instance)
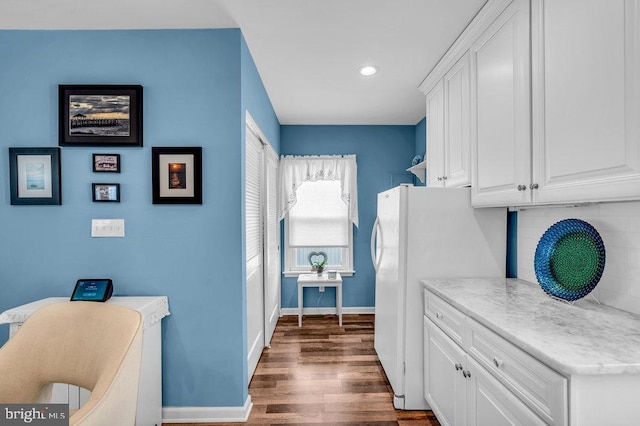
(271, 311)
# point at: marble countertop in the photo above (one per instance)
(583, 338)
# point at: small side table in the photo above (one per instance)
(320, 281)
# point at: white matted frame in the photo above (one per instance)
(177, 175)
(35, 176)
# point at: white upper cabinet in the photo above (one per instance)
(553, 104)
(500, 110)
(448, 128)
(586, 100)
(435, 136)
(457, 125)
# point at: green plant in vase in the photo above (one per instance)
(317, 260)
(319, 266)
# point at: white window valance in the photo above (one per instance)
(295, 170)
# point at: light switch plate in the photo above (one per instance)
(107, 228)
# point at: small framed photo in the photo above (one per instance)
(106, 163)
(34, 175)
(100, 115)
(106, 192)
(177, 175)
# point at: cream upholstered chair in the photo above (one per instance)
(97, 346)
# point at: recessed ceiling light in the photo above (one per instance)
(368, 70)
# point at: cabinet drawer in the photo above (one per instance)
(540, 387)
(449, 319)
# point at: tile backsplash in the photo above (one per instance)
(619, 226)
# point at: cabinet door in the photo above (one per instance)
(435, 136)
(586, 102)
(490, 403)
(457, 131)
(444, 384)
(500, 110)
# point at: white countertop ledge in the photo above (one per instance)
(583, 338)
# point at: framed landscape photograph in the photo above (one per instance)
(106, 163)
(100, 115)
(176, 173)
(34, 175)
(106, 192)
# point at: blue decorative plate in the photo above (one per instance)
(569, 259)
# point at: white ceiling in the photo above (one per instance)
(306, 51)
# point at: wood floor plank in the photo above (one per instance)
(324, 374)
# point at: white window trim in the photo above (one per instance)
(345, 271)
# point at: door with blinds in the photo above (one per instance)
(262, 243)
(271, 246)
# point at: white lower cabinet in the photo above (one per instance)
(501, 352)
(490, 403)
(461, 392)
(444, 384)
(474, 377)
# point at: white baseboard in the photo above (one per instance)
(207, 414)
(327, 311)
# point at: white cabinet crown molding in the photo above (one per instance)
(489, 12)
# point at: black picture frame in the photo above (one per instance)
(100, 115)
(105, 192)
(34, 176)
(176, 173)
(106, 163)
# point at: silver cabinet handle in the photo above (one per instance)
(458, 367)
(522, 187)
(444, 178)
(498, 362)
(439, 315)
(533, 186)
(439, 178)
(466, 374)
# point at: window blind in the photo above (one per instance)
(320, 217)
(253, 212)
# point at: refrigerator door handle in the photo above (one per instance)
(374, 234)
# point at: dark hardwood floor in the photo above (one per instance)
(323, 374)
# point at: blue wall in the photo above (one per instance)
(197, 84)
(256, 100)
(383, 153)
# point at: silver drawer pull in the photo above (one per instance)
(458, 367)
(466, 374)
(439, 315)
(498, 362)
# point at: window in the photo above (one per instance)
(318, 222)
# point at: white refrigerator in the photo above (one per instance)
(422, 233)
